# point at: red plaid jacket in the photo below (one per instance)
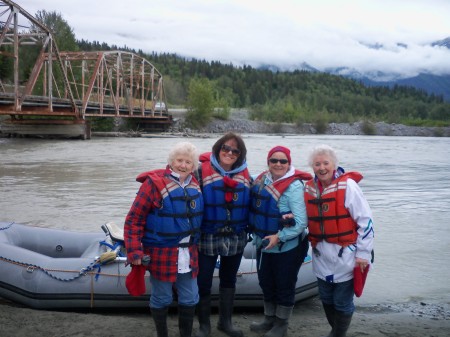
(164, 261)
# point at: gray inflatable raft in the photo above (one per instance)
(47, 268)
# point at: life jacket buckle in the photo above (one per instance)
(226, 230)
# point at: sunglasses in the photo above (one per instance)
(226, 148)
(275, 160)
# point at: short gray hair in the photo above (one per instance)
(184, 148)
(323, 150)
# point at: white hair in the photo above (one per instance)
(184, 148)
(323, 150)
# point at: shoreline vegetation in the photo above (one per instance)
(239, 122)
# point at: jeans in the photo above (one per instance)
(162, 292)
(229, 266)
(338, 294)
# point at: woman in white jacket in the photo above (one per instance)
(341, 234)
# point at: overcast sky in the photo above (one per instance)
(284, 33)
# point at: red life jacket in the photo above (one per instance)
(328, 219)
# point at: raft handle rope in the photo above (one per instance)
(7, 226)
(116, 248)
(82, 272)
(93, 267)
(89, 270)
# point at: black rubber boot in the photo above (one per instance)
(341, 323)
(330, 313)
(204, 313)
(226, 300)
(160, 318)
(185, 319)
(269, 318)
(281, 322)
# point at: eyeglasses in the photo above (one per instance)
(281, 161)
(226, 148)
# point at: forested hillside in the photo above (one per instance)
(295, 97)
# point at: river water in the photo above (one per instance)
(80, 185)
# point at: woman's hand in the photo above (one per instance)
(361, 263)
(136, 262)
(273, 240)
(287, 220)
(287, 216)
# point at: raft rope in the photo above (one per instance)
(31, 267)
(7, 226)
(90, 269)
(87, 271)
(94, 268)
(113, 247)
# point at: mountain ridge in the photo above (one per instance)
(427, 81)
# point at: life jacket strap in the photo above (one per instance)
(325, 218)
(185, 233)
(320, 201)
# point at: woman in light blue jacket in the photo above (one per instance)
(278, 221)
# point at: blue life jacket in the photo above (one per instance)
(222, 217)
(264, 212)
(179, 216)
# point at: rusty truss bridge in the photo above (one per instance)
(63, 91)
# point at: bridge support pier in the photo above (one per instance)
(47, 129)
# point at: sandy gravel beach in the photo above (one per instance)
(412, 319)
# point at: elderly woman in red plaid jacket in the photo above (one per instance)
(163, 225)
